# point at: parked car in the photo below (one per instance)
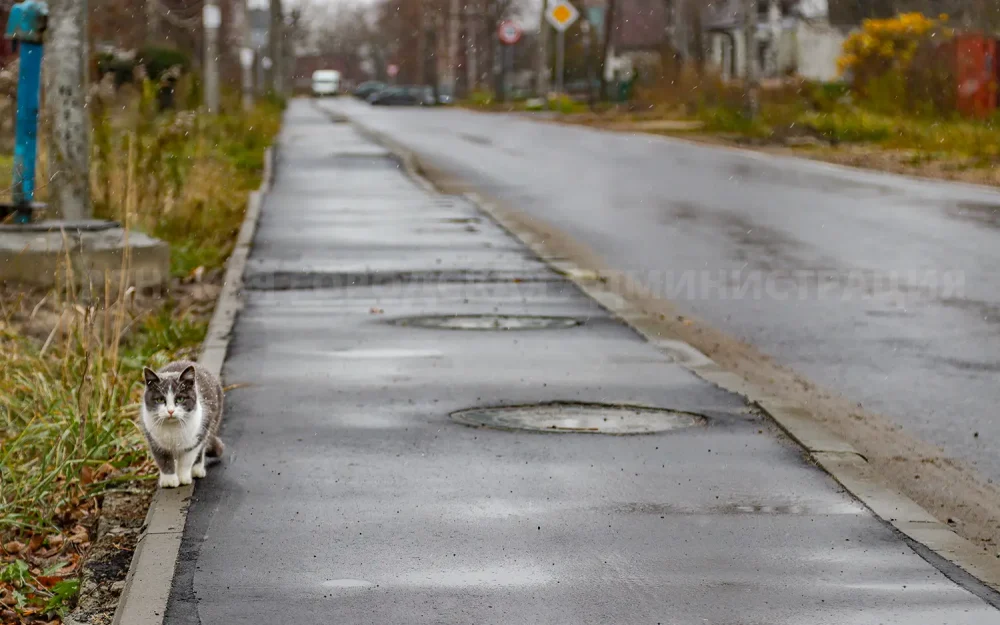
(366, 89)
(325, 82)
(403, 96)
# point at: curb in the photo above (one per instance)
(150, 575)
(828, 451)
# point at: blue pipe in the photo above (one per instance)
(26, 129)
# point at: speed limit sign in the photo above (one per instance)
(509, 33)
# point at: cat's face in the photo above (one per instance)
(170, 397)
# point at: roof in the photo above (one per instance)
(722, 15)
(640, 25)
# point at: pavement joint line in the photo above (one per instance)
(150, 577)
(831, 453)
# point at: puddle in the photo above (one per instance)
(386, 353)
(573, 418)
(983, 213)
(488, 322)
(510, 576)
(347, 583)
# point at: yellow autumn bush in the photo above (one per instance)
(881, 59)
(882, 44)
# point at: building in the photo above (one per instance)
(793, 36)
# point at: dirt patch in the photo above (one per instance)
(45, 315)
(102, 575)
(953, 493)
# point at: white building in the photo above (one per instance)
(793, 37)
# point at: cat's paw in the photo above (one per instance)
(198, 471)
(185, 479)
(169, 481)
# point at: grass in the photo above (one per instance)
(847, 126)
(69, 396)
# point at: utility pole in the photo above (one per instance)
(152, 21)
(752, 85)
(471, 53)
(65, 99)
(211, 21)
(451, 71)
(609, 27)
(275, 36)
(421, 47)
(543, 53)
(589, 59)
(246, 58)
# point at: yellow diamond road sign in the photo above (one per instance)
(561, 14)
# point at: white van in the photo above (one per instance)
(325, 82)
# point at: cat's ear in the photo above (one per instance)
(188, 375)
(150, 376)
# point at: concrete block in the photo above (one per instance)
(49, 253)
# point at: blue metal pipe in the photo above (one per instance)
(26, 130)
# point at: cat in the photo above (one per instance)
(180, 416)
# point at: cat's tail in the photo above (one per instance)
(215, 447)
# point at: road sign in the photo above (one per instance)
(509, 33)
(392, 70)
(561, 15)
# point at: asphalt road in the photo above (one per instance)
(879, 287)
(349, 495)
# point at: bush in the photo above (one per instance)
(896, 64)
(732, 120)
(121, 67)
(158, 59)
(849, 126)
(481, 98)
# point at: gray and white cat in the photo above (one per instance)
(181, 413)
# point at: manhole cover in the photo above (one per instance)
(489, 322)
(580, 418)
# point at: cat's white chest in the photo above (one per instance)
(174, 435)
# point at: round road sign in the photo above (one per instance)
(509, 32)
(392, 70)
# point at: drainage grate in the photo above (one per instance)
(580, 418)
(488, 322)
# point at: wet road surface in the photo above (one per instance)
(350, 496)
(879, 287)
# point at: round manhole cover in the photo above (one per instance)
(580, 418)
(490, 322)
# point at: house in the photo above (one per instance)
(793, 36)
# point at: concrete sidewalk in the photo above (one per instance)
(350, 495)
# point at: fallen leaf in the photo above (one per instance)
(86, 475)
(55, 540)
(376, 311)
(14, 547)
(36, 542)
(103, 472)
(79, 535)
